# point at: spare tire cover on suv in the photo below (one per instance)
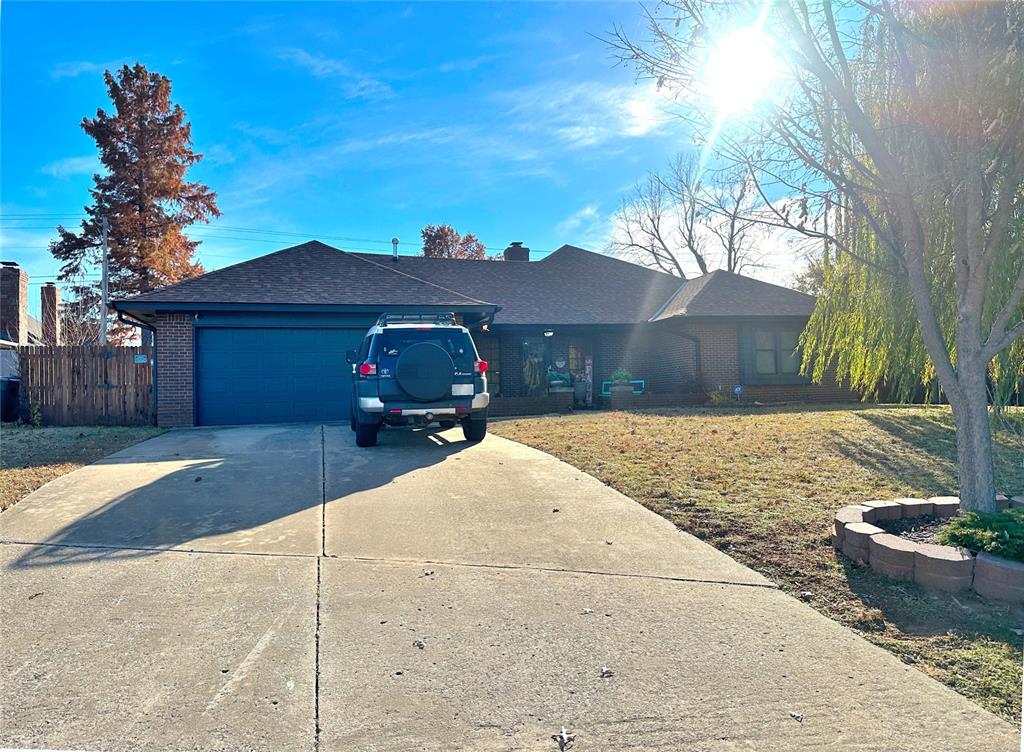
(425, 372)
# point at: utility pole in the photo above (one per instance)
(104, 285)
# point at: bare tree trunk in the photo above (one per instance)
(973, 439)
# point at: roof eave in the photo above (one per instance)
(152, 306)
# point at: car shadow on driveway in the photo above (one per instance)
(252, 502)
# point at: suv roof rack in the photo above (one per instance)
(416, 318)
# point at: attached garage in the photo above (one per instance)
(272, 375)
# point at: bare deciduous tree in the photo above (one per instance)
(80, 313)
(683, 217)
(658, 227)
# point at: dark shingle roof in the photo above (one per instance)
(309, 274)
(723, 293)
(568, 286)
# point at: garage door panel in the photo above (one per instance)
(244, 339)
(266, 375)
(305, 383)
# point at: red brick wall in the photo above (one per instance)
(14, 303)
(720, 366)
(559, 402)
(665, 361)
(49, 299)
(174, 370)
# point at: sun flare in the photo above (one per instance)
(741, 70)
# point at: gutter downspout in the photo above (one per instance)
(143, 325)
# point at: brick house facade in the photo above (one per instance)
(278, 325)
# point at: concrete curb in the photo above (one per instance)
(948, 568)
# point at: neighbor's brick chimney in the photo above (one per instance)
(50, 296)
(13, 303)
(516, 251)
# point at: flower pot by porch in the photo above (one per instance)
(623, 386)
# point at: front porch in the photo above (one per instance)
(536, 370)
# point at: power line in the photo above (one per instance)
(233, 228)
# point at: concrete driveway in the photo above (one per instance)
(275, 588)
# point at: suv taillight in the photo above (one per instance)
(367, 369)
(480, 366)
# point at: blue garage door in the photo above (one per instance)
(272, 375)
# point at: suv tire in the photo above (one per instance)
(366, 434)
(475, 430)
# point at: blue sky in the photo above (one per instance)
(342, 120)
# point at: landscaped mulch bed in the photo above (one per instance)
(763, 485)
(918, 529)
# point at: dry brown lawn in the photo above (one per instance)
(31, 456)
(762, 484)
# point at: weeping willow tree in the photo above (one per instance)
(894, 134)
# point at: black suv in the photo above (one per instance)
(413, 370)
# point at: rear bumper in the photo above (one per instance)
(450, 407)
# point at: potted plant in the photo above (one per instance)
(620, 381)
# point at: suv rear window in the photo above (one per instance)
(456, 343)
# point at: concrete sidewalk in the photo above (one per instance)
(303, 594)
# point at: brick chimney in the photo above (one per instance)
(13, 302)
(516, 251)
(50, 298)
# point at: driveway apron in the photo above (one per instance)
(275, 588)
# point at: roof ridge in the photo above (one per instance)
(682, 283)
(609, 257)
(225, 268)
(414, 277)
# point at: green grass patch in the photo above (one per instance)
(763, 484)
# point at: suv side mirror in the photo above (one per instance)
(350, 356)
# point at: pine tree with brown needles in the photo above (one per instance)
(146, 148)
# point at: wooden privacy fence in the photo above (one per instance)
(75, 385)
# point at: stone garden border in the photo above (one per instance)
(948, 568)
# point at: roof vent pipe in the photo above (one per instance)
(394, 250)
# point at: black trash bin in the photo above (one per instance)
(9, 399)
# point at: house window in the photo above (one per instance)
(771, 355)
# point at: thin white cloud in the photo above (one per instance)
(76, 68)
(218, 154)
(273, 136)
(453, 66)
(354, 84)
(587, 114)
(576, 220)
(69, 166)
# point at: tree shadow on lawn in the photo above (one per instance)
(920, 456)
(744, 409)
(917, 611)
(233, 503)
(921, 453)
